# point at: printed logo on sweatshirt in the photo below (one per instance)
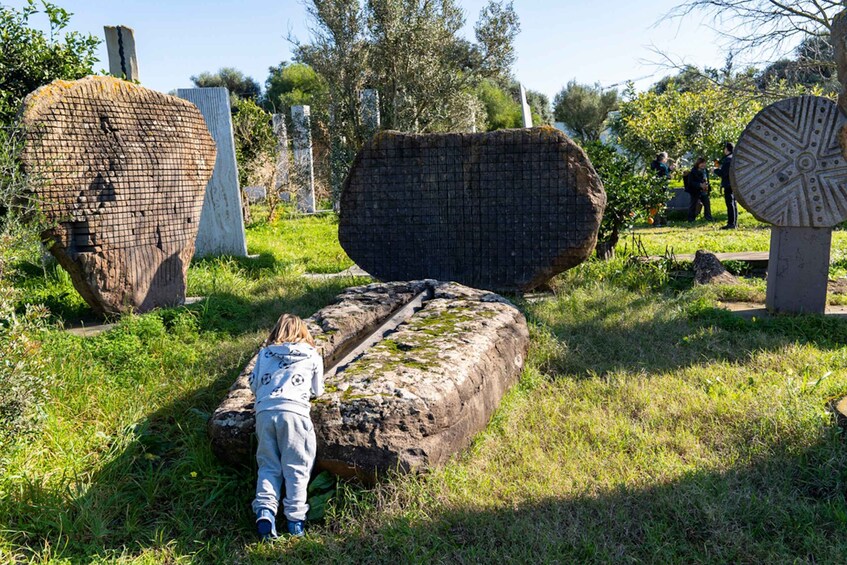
(297, 380)
(266, 378)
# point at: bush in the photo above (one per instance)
(21, 366)
(631, 193)
(29, 58)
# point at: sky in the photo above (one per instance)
(600, 41)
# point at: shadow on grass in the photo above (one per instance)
(222, 311)
(165, 495)
(164, 490)
(788, 508)
(636, 332)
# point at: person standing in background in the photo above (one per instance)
(722, 171)
(697, 186)
(661, 166)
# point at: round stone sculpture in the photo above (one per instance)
(788, 168)
(414, 395)
(504, 210)
(120, 173)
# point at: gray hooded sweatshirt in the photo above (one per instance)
(286, 376)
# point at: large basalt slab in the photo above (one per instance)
(408, 402)
(504, 210)
(122, 173)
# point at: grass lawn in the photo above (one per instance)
(648, 426)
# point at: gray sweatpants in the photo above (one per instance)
(286, 451)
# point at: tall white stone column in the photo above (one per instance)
(525, 109)
(369, 111)
(304, 170)
(283, 164)
(221, 229)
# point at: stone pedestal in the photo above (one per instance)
(304, 171)
(221, 223)
(120, 45)
(283, 163)
(798, 269)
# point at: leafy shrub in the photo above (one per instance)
(22, 367)
(29, 58)
(631, 192)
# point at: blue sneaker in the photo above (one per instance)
(295, 528)
(266, 524)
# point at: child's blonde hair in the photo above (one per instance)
(290, 329)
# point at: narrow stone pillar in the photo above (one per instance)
(283, 165)
(525, 109)
(304, 171)
(221, 229)
(369, 108)
(120, 45)
(798, 269)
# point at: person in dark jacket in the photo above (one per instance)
(697, 185)
(661, 167)
(726, 185)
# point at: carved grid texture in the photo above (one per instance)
(124, 166)
(504, 210)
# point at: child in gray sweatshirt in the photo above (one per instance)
(288, 373)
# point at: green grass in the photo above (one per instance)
(648, 426)
(307, 245)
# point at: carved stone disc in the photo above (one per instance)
(788, 168)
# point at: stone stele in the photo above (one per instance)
(120, 173)
(504, 210)
(411, 399)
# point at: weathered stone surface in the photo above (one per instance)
(125, 170)
(221, 229)
(788, 168)
(304, 169)
(504, 210)
(798, 270)
(709, 270)
(840, 409)
(255, 194)
(120, 46)
(413, 399)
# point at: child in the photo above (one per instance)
(287, 373)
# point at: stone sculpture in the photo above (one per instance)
(221, 229)
(504, 210)
(121, 172)
(120, 47)
(788, 170)
(415, 395)
(304, 169)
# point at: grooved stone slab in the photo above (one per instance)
(504, 210)
(410, 401)
(124, 172)
(788, 169)
(221, 224)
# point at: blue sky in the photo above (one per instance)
(606, 41)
